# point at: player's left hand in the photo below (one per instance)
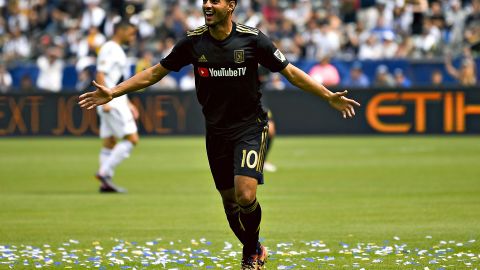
(340, 102)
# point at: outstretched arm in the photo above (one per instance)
(139, 81)
(337, 100)
(450, 68)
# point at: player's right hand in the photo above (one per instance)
(98, 97)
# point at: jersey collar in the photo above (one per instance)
(227, 39)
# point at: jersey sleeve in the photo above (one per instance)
(269, 56)
(105, 59)
(179, 57)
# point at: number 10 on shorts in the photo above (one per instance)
(247, 158)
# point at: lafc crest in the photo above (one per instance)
(239, 56)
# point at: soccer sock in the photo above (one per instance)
(120, 152)
(234, 222)
(103, 156)
(250, 217)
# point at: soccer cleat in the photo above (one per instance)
(108, 186)
(250, 262)
(111, 189)
(262, 257)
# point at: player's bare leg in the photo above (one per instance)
(250, 217)
(133, 138)
(109, 142)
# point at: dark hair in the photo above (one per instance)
(123, 23)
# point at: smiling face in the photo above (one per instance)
(217, 11)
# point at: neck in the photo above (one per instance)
(116, 40)
(221, 31)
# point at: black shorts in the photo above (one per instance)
(243, 156)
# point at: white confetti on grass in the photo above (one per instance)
(193, 254)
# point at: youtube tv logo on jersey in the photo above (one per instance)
(222, 72)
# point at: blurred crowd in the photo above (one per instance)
(56, 33)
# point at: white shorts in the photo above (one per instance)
(116, 123)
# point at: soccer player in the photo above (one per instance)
(117, 117)
(225, 56)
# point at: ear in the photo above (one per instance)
(231, 5)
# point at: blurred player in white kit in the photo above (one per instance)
(117, 118)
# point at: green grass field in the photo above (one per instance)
(334, 203)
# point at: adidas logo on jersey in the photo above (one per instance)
(202, 59)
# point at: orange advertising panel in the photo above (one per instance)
(382, 108)
(60, 115)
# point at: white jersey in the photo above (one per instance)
(118, 122)
(112, 61)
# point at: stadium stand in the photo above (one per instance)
(418, 37)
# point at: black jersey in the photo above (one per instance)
(226, 76)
